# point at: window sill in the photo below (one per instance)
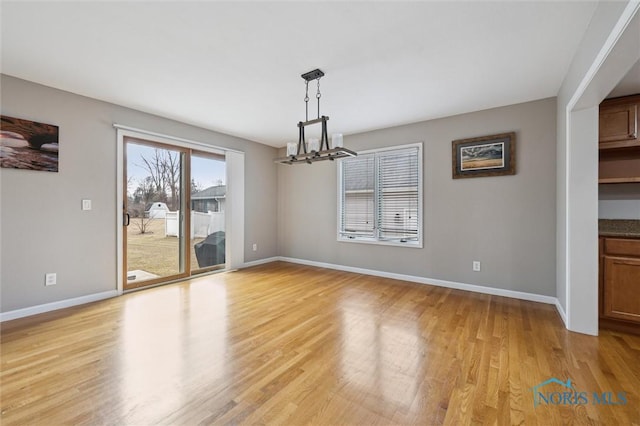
(408, 244)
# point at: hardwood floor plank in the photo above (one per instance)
(292, 344)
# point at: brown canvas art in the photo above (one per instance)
(493, 155)
(26, 144)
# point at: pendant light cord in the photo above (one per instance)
(318, 95)
(306, 102)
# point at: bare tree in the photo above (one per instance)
(143, 224)
(171, 172)
(154, 165)
(164, 171)
(130, 182)
(195, 186)
(143, 195)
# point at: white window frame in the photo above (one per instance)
(375, 240)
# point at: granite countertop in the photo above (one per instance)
(619, 228)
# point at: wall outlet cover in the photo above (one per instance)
(476, 266)
(50, 278)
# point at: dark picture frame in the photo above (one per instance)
(26, 144)
(493, 155)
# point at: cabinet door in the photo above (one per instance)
(622, 288)
(618, 123)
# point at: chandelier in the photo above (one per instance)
(314, 150)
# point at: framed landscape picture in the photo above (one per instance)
(26, 144)
(493, 155)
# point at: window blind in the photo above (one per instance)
(397, 194)
(358, 191)
(380, 195)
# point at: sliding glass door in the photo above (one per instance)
(169, 190)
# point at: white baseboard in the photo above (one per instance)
(33, 310)
(53, 306)
(431, 281)
(421, 280)
(562, 313)
(261, 261)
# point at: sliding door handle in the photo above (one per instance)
(127, 219)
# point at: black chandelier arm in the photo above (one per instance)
(324, 138)
(314, 121)
(302, 144)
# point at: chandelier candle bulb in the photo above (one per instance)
(337, 141)
(313, 145)
(292, 149)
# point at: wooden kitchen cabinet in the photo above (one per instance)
(619, 140)
(620, 283)
(622, 288)
(618, 123)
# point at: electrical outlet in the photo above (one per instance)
(50, 278)
(476, 266)
(86, 204)
(255, 247)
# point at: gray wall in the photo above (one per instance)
(42, 227)
(619, 201)
(508, 222)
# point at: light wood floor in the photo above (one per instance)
(289, 344)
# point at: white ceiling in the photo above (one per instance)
(235, 67)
